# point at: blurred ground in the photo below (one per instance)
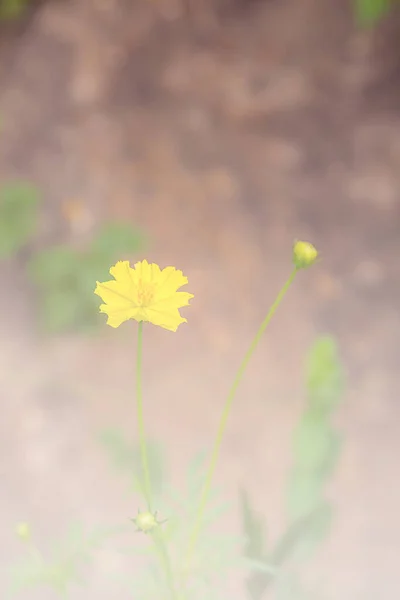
(225, 137)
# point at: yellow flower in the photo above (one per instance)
(304, 254)
(143, 293)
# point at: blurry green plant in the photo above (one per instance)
(369, 12)
(315, 450)
(316, 446)
(19, 212)
(64, 277)
(12, 9)
(66, 566)
(217, 552)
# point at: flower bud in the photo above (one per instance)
(23, 531)
(146, 521)
(304, 255)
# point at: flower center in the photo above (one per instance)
(145, 293)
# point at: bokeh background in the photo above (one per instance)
(222, 131)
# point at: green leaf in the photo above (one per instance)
(289, 587)
(324, 379)
(303, 535)
(66, 298)
(304, 494)
(68, 557)
(317, 531)
(258, 566)
(59, 310)
(25, 575)
(62, 271)
(18, 217)
(55, 267)
(316, 448)
(368, 12)
(312, 531)
(255, 550)
(116, 241)
(12, 9)
(93, 268)
(331, 459)
(314, 443)
(253, 527)
(126, 457)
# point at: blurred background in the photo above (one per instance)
(205, 134)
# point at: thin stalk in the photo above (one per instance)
(224, 418)
(139, 407)
(157, 536)
(159, 542)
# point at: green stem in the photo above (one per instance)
(139, 406)
(225, 415)
(157, 537)
(159, 542)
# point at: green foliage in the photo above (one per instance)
(255, 547)
(116, 240)
(315, 444)
(65, 277)
(324, 377)
(124, 456)
(19, 203)
(12, 9)
(253, 525)
(68, 558)
(289, 586)
(316, 447)
(216, 552)
(369, 12)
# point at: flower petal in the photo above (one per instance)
(112, 292)
(126, 277)
(175, 300)
(116, 317)
(169, 319)
(168, 283)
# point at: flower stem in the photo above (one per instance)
(159, 542)
(139, 406)
(225, 415)
(157, 537)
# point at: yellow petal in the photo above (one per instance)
(171, 279)
(126, 277)
(169, 319)
(118, 316)
(112, 292)
(175, 300)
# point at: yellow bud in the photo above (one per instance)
(146, 521)
(23, 531)
(304, 255)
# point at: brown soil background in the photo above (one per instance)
(225, 134)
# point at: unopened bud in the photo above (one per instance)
(304, 255)
(146, 521)
(23, 531)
